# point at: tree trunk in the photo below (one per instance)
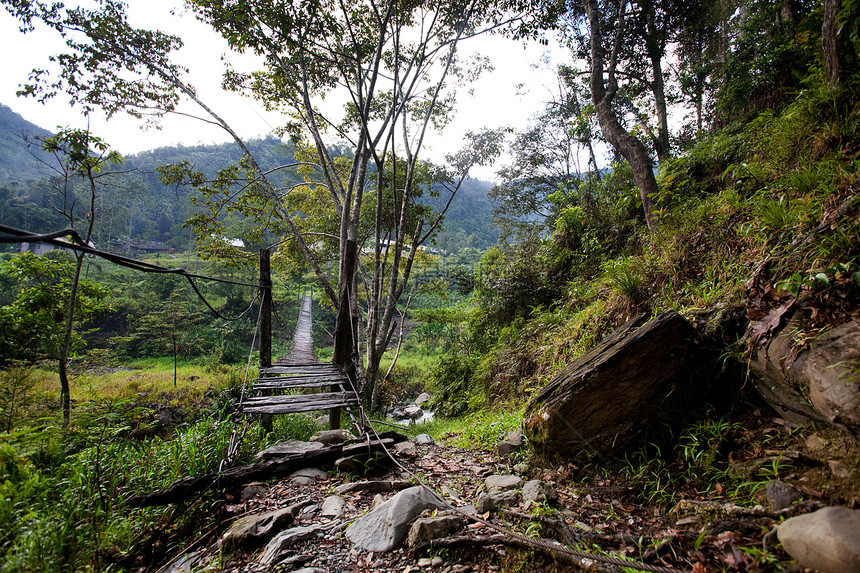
(830, 42)
(345, 330)
(65, 390)
(628, 146)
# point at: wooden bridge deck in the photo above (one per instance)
(279, 385)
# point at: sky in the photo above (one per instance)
(507, 96)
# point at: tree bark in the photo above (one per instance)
(830, 42)
(627, 145)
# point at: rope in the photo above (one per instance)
(235, 438)
(20, 236)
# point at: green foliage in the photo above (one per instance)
(33, 324)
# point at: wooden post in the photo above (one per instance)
(345, 326)
(266, 322)
(265, 308)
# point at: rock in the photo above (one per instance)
(330, 437)
(251, 491)
(838, 469)
(372, 486)
(502, 482)
(429, 528)
(405, 448)
(308, 476)
(378, 500)
(537, 491)
(827, 539)
(423, 440)
(816, 442)
(252, 530)
(495, 498)
(637, 377)
(521, 468)
(412, 411)
(422, 399)
(513, 442)
(817, 384)
(386, 526)
(309, 570)
(333, 506)
(425, 562)
(275, 550)
(780, 494)
(436, 561)
(288, 447)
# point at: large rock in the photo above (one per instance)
(827, 539)
(818, 383)
(253, 530)
(637, 377)
(384, 528)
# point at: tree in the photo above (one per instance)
(546, 169)
(397, 65)
(80, 156)
(41, 320)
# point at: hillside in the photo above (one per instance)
(137, 206)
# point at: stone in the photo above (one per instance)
(378, 500)
(307, 476)
(638, 377)
(309, 570)
(333, 506)
(288, 447)
(512, 443)
(537, 491)
(495, 498)
(372, 486)
(827, 539)
(385, 527)
(815, 384)
(429, 528)
(405, 448)
(251, 491)
(838, 469)
(253, 530)
(330, 437)
(502, 482)
(424, 562)
(436, 561)
(422, 399)
(412, 411)
(816, 442)
(423, 440)
(276, 549)
(780, 494)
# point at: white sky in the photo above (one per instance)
(497, 101)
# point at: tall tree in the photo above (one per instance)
(395, 63)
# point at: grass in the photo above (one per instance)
(149, 375)
(479, 430)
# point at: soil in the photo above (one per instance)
(600, 510)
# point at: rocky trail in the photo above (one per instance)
(513, 517)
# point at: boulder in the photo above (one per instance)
(513, 442)
(280, 545)
(495, 498)
(780, 494)
(384, 528)
(330, 437)
(429, 528)
(827, 539)
(333, 506)
(637, 378)
(371, 486)
(502, 482)
(253, 530)
(423, 440)
(818, 383)
(422, 399)
(307, 476)
(288, 447)
(537, 491)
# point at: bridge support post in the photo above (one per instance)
(266, 321)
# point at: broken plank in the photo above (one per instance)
(296, 398)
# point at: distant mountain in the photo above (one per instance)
(19, 148)
(137, 207)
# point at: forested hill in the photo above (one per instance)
(139, 207)
(19, 151)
